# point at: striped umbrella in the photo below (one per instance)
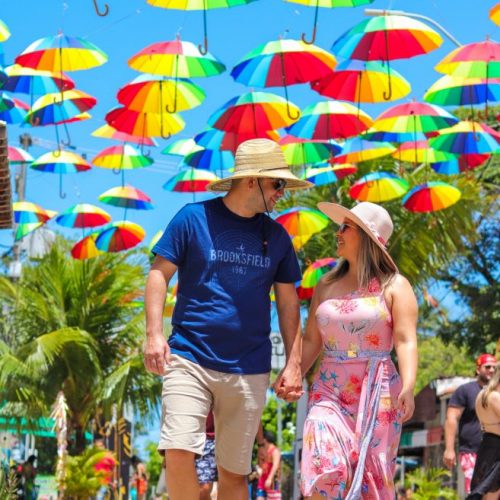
(356, 150)
(181, 147)
(494, 14)
(3, 77)
(85, 248)
(119, 236)
(18, 156)
(26, 212)
(304, 152)
(344, 170)
(83, 215)
(320, 176)
(4, 32)
(35, 82)
(15, 114)
(378, 186)
(312, 275)
(23, 230)
(431, 197)
(229, 141)
(459, 164)
(126, 197)
(378, 135)
(191, 180)
(210, 159)
(421, 152)
(106, 131)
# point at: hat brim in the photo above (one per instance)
(338, 214)
(293, 182)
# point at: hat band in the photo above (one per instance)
(371, 226)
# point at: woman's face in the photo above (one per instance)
(348, 239)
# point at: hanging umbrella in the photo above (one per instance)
(312, 275)
(326, 120)
(210, 159)
(4, 32)
(157, 94)
(229, 141)
(378, 135)
(378, 186)
(386, 38)
(60, 162)
(431, 197)
(303, 152)
(281, 63)
(203, 5)
(126, 197)
(6, 102)
(155, 239)
(35, 82)
(301, 223)
(356, 150)
(459, 164)
(362, 81)
(85, 248)
(191, 180)
(3, 77)
(26, 212)
(18, 156)
(182, 147)
(121, 157)
(253, 112)
(344, 170)
(119, 236)
(420, 152)
(494, 14)
(320, 176)
(23, 230)
(329, 4)
(467, 138)
(16, 114)
(108, 132)
(83, 215)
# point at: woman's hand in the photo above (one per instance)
(268, 483)
(406, 403)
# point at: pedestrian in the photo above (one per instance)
(28, 474)
(206, 466)
(139, 478)
(228, 254)
(461, 416)
(360, 310)
(268, 485)
(486, 478)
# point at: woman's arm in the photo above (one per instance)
(404, 312)
(276, 457)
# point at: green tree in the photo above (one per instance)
(270, 421)
(154, 463)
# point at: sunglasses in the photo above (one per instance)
(343, 227)
(489, 367)
(279, 184)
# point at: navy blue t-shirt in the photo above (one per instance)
(221, 319)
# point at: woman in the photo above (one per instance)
(268, 484)
(139, 478)
(358, 400)
(486, 479)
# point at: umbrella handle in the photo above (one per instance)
(103, 13)
(62, 194)
(66, 142)
(289, 112)
(315, 26)
(204, 48)
(387, 96)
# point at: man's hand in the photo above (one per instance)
(156, 354)
(449, 458)
(288, 384)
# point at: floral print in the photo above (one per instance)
(357, 324)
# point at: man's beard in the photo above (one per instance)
(484, 379)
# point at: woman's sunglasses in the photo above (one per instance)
(343, 227)
(279, 184)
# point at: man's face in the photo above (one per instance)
(272, 190)
(485, 372)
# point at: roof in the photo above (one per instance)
(5, 189)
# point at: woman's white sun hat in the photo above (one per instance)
(260, 158)
(373, 219)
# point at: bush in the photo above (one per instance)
(427, 483)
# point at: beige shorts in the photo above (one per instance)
(190, 391)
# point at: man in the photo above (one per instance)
(461, 416)
(228, 255)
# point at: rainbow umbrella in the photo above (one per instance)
(229, 141)
(203, 5)
(386, 38)
(83, 215)
(3, 77)
(126, 197)
(320, 176)
(18, 156)
(467, 137)
(356, 150)
(26, 212)
(459, 164)
(121, 157)
(326, 120)
(344, 170)
(312, 275)
(145, 124)
(494, 14)
(60, 162)
(303, 152)
(24, 229)
(253, 112)
(182, 147)
(455, 91)
(378, 135)
(35, 82)
(16, 114)
(431, 197)
(85, 248)
(191, 180)
(157, 94)
(210, 159)
(329, 4)
(4, 32)
(362, 81)
(119, 236)
(155, 239)
(108, 132)
(378, 186)
(421, 152)
(6, 102)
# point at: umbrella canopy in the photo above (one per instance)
(126, 197)
(157, 94)
(362, 81)
(431, 197)
(60, 162)
(456, 91)
(15, 114)
(119, 236)
(253, 112)
(121, 157)
(4, 32)
(61, 53)
(378, 135)
(145, 124)
(17, 156)
(378, 186)
(344, 170)
(303, 152)
(356, 150)
(229, 141)
(459, 164)
(320, 176)
(326, 120)
(24, 229)
(6, 102)
(302, 221)
(34, 82)
(210, 159)
(494, 14)
(3, 77)
(85, 248)
(421, 152)
(83, 215)
(192, 180)
(312, 275)
(182, 147)
(26, 212)
(106, 131)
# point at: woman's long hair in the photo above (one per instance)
(372, 263)
(492, 385)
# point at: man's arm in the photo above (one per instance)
(453, 415)
(288, 385)
(156, 350)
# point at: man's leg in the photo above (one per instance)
(231, 486)
(205, 491)
(181, 475)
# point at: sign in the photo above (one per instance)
(278, 357)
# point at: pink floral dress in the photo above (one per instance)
(353, 426)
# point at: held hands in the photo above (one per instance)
(406, 403)
(156, 354)
(288, 384)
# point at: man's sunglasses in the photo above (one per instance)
(343, 227)
(279, 184)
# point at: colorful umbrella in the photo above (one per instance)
(459, 164)
(145, 124)
(356, 150)
(420, 152)
(157, 94)
(181, 147)
(35, 82)
(210, 159)
(24, 229)
(83, 215)
(3, 77)
(18, 156)
(326, 3)
(378, 135)
(4, 32)
(126, 197)
(378, 186)
(312, 275)
(344, 170)
(431, 197)
(26, 212)
(155, 239)
(85, 248)
(303, 152)
(203, 5)
(191, 180)
(326, 120)
(119, 236)
(494, 14)
(121, 157)
(386, 38)
(253, 112)
(6, 102)
(16, 114)
(320, 176)
(229, 141)
(362, 81)
(108, 132)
